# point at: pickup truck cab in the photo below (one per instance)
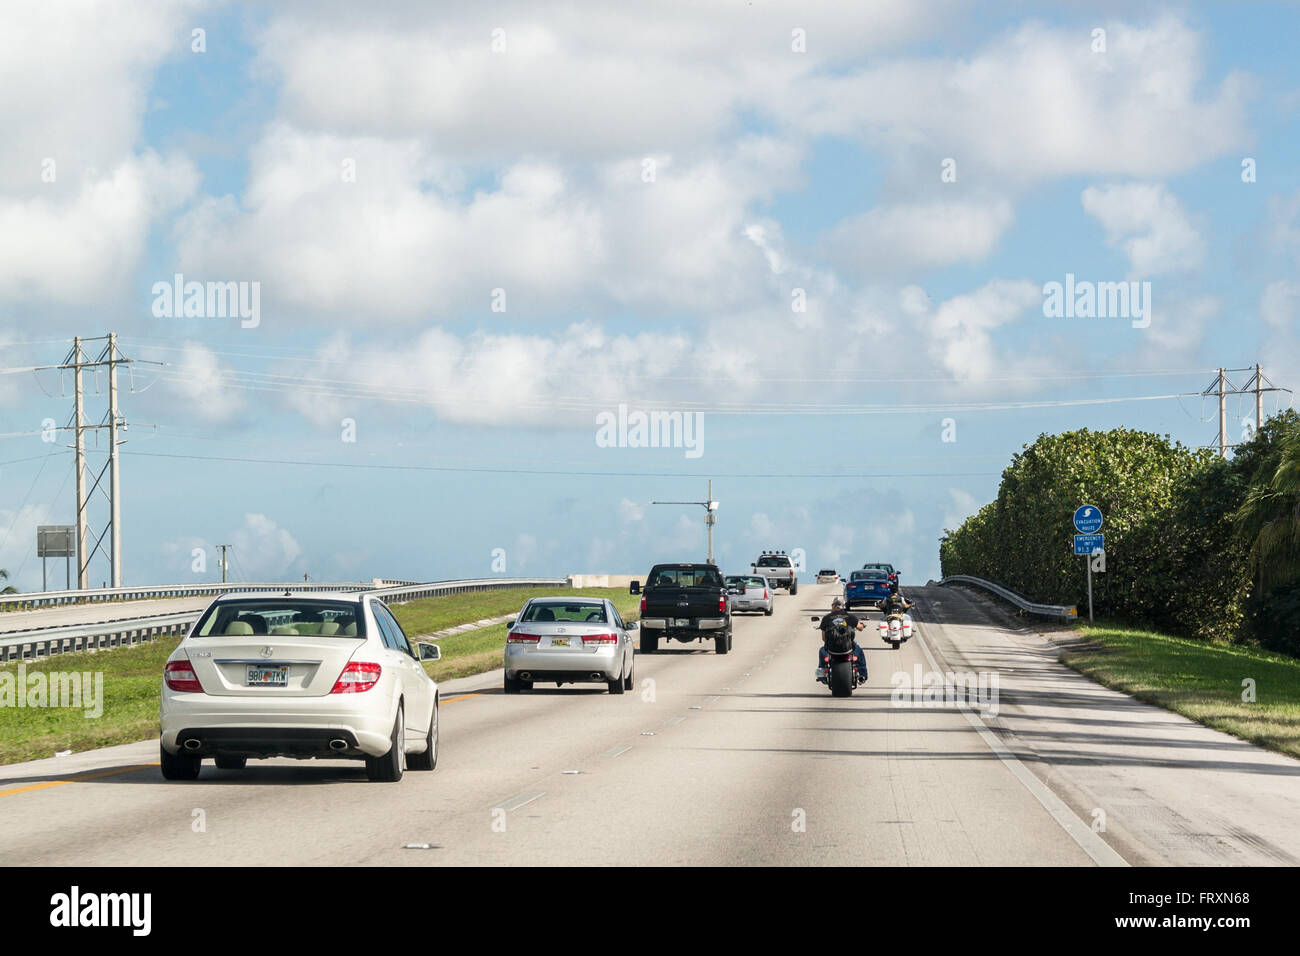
(779, 570)
(684, 602)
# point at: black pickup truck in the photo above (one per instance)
(684, 602)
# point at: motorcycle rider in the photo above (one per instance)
(895, 604)
(839, 617)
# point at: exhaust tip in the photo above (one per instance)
(193, 744)
(597, 675)
(338, 744)
(525, 675)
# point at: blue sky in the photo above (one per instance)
(776, 174)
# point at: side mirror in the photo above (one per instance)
(631, 626)
(815, 618)
(510, 623)
(430, 652)
(634, 587)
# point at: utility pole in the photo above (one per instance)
(1223, 414)
(79, 424)
(114, 478)
(710, 506)
(222, 548)
(1222, 387)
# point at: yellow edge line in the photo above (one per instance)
(89, 776)
(45, 785)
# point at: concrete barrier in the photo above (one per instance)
(602, 580)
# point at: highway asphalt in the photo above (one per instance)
(739, 759)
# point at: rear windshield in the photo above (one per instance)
(686, 578)
(869, 576)
(826, 571)
(741, 580)
(281, 617)
(591, 612)
(773, 561)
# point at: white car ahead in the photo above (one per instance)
(298, 675)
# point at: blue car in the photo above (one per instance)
(870, 586)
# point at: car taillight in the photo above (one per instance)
(514, 637)
(180, 676)
(357, 677)
(642, 603)
(722, 604)
(599, 638)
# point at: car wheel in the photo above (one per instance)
(794, 588)
(388, 768)
(230, 763)
(767, 612)
(630, 683)
(512, 684)
(429, 759)
(616, 686)
(722, 643)
(179, 766)
(649, 641)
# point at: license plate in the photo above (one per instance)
(559, 642)
(276, 676)
(682, 622)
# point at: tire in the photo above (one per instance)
(767, 612)
(230, 763)
(616, 686)
(649, 641)
(179, 766)
(794, 587)
(630, 682)
(512, 684)
(841, 679)
(388, 768)
(429, 759)
(896, 644)
(722, 643)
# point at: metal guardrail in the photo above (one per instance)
(44, 642)
(38, 599)
(1061, 611)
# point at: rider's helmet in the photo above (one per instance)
(837, 604)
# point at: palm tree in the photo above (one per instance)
(4, 576)
(1270, 515)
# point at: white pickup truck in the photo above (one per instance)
(779, 570)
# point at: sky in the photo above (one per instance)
(470, 239)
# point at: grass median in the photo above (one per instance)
(132, 676)
(1203, 681)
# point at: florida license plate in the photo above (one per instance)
(274, 676)
(682, 622)
(559, 642)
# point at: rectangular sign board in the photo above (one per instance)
(1085, 544)
(56, 541)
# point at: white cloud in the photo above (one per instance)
(761, 527)
(1279, 307)
(206, 388)
(1149, 224)
(264, 550)
(920, 235)
(629, 512)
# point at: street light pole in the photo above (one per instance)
(710, 507)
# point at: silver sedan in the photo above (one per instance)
(569, 640)
(750, 592)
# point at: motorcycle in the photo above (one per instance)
(895, 628)
(841, 675)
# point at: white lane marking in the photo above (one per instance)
(709, 700)
(673, 721)
(1101, 852)
(520, 800)
(617, 751)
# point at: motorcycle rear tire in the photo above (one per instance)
(841, 678)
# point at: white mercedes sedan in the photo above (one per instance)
(298, 675)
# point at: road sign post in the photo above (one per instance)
(1088, 543)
